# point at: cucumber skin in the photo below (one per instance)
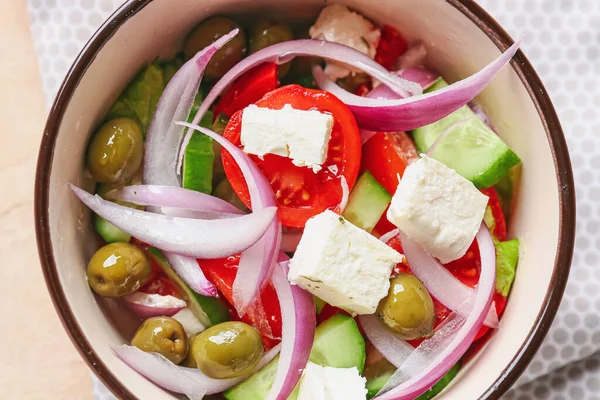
(109, 232)
(209, 310)
(258, 385)
(482, 179)
(199, 155)
(367, 202)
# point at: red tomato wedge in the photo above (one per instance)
(391, 46)
(266, 318)
(248, 89)
(301, 193)
(468, 268)
(386, 155)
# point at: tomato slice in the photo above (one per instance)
(386, 155)
(248, 89)
(300, 193)
(265, 317)
(391, 46)
(467, 269)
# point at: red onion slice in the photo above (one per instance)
(164, 138)
(283, 52)
(416, 111)
(189, 381)
(440, 282)
(420, 75)
(290, 240)
(386, 237)
(171, 196)
(147, 305)
(250, 278)
(185, 236)
(394, 349)
(413, 57)
(443, 350)
(187, 213)
(188, 270)
(298, 330)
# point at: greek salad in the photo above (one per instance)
(302, 211)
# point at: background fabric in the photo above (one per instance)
(563, 43)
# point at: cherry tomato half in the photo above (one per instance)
(301, 193)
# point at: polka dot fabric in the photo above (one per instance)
(563, 43)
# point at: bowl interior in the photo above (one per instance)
(457, 47)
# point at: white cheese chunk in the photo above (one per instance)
(437, 208)
(337, 23)
(326, 383)
(190, 323)
(300, 135)
(342, 264)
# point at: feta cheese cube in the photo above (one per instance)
(326, 383)
(342, 264)
(337, 23)
(437, 208)
(300, 135)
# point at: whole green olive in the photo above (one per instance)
(267, 32)
(163, 335)
(227, 350)
(209, 31)
(408, 308)
(116, 151)
(118, 269)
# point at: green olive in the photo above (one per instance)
(266, 33)
(408, 308)
(227, 350)
(163, 335)
(209, 31)
(116, 151)
(118, 269)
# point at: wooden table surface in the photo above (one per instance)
(37, 359)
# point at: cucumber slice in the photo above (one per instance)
(109, 232)
(199, 157)
(209, 310)
(507, 258)
(338, 343)
(374, 385)
(471, 148)
(367, 202)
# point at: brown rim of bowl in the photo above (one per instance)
(471, 10)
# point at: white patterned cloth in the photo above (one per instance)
(563, 43)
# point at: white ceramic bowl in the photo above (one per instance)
(461, 37)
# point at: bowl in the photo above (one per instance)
(461, 37)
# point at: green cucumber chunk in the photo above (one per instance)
(209, 310)
(367, 202)
(199, 155)
(139, 99)
(338, 343)
(109, 232)
(470, 147)
(374, 385)
(507, 258)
